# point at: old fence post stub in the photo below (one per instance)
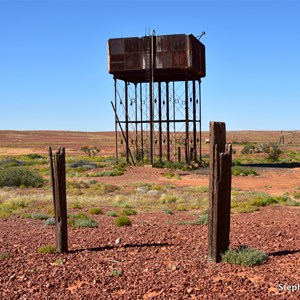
(219, 192)
(58, 174)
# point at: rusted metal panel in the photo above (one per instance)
(176, 57)
(171, 51)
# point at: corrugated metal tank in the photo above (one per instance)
(176, 57)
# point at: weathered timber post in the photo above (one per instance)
(179, 154)
(58, 178)
(220, 155)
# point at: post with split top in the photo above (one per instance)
(220, 159)
(58, 179)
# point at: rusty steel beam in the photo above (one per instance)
(168, 120)
(194, 123)
(187, 158)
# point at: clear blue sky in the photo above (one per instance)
(53, 60)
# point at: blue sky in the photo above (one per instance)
(53, 60)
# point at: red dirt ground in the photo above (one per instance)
(156, 258)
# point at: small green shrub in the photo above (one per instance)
(244, 256)
(158, 188)
(181, 207)
(109, 188)
(171, 175)
(49, 222)
(243, 171)
(81, 220)
(33, 156)
(245, 202)
(129, 212)
(76, 205)
(111, 173)
(19, 177)
(85, 223)
(85, 165)
(77, 185)
(13, 207)
(11, 162)
(39, 216)
(167, 199)
(203, 219)
(4, 256)
(112, 214)
(248, 149)
(123, 221)
(273, 150)
(5, 212)
(95, 211)
(167, 211)
(60, 261)
(47, 249)
(297, 195)
(116, 272)
(90, 151)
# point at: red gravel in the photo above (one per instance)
(156, 259)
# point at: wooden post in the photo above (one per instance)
(58, 177)
(219, 192)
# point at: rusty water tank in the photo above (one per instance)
(175, 58)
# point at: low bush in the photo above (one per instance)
(77, 185)
(181, 207)
(33, 156)
(273, 150)
(86, 223)
(95, 211)
(49, 222)
(13, 206)
(4, 256)
(167, 199)
(116, 272)
(112, 214)
(19, 177)
(129, 212)
(297, 195)
(109, 188)
(84, 164)
(202, 220)
(268, 200)
(47, 249)
(167, 211)
(11, 162)
(81, 220)
(243, 171)
(38, 216)
(76, 205)
(5, 212)
(110, 173)
(90, 151)
(123, 221)
(171, 175)
(244, 256)
(250, 202)
(248, 149)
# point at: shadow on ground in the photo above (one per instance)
(96, 249)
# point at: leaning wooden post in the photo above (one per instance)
(220, 155)
(58, 177)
